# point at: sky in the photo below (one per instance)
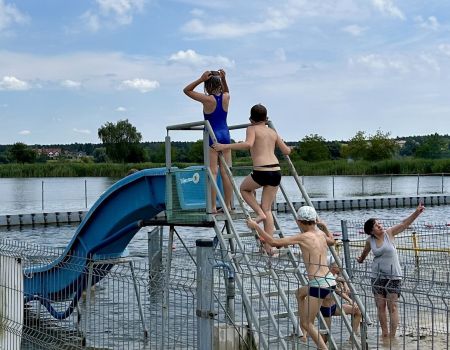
(328, 67)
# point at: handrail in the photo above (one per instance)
(332, 250)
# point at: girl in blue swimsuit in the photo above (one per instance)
(215, 103)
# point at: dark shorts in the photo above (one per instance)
(385, 286)
(320, 292)
(266, 178)
(328, 311)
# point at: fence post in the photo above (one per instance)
(345, 242)
(85, 193)
(42, 194)
(362, 185)
(205, 320)
(391, 184)
(154, 247)
(418, 183)
(442, 183)
(333, 185)
(416, 249)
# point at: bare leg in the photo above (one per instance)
(352, 310)
(227, 187)
(381, 303)
(248, 187)
(301, 294)
(213, 158)
(311, 307)
(267, 198)
(392, 301)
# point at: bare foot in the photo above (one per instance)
(260, 217)
(303, 338)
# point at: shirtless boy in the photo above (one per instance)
(313, 241)
(261, 140)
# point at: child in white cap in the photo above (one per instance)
(313, 241)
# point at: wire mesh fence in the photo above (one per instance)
(130, 305)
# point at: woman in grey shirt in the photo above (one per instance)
(386, 270)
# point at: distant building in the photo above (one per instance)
(400, 143)
(51, 153)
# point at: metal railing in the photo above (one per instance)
(173, 314)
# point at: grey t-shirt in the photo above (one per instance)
(385, 262)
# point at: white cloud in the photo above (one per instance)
(445, 49)
(430, 23)
(97, 71)
(197, 12)
(271, 19)
(12, 83)
(81, 131)
(142, 85)
(10, 15)
(423, 64)
(71, 84)
(380, 63)
(234, 29)
(193, 58)
(121, 109)
(387, 7)
(91, 20)
(280, 55)
(112, 12)
(25, 132)
(354, 29)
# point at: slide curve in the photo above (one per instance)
(105, 232)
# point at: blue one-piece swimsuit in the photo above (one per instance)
(218, 121)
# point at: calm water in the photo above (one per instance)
(24, 195)
(27, 195)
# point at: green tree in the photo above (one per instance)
(196, 152)
(409, 148)
(357, 146)
(381, 146)
(122, 141)
(335, 148)
(21, 153)
(433, 146)
(313, 148)
(99, 155)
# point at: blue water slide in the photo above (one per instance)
(105, 232)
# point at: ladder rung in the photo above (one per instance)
(280, 315)
(272, 294)
(273, 340)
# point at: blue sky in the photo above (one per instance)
(329, 67)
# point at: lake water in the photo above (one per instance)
(28, 195)
(24, 195)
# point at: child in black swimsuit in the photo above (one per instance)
(261, 141)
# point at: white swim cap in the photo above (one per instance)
(306, 213)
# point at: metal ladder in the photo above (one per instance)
(238, 250)
(295, 260)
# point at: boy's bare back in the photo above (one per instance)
(263, 149)
(314, 250)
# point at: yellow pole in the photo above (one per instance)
(416, 249)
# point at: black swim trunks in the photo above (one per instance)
(328, 311)
(266, 178)
(320, 292)
(385, 286)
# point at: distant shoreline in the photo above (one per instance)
(332, 167)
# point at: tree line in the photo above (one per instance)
(121, 142)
